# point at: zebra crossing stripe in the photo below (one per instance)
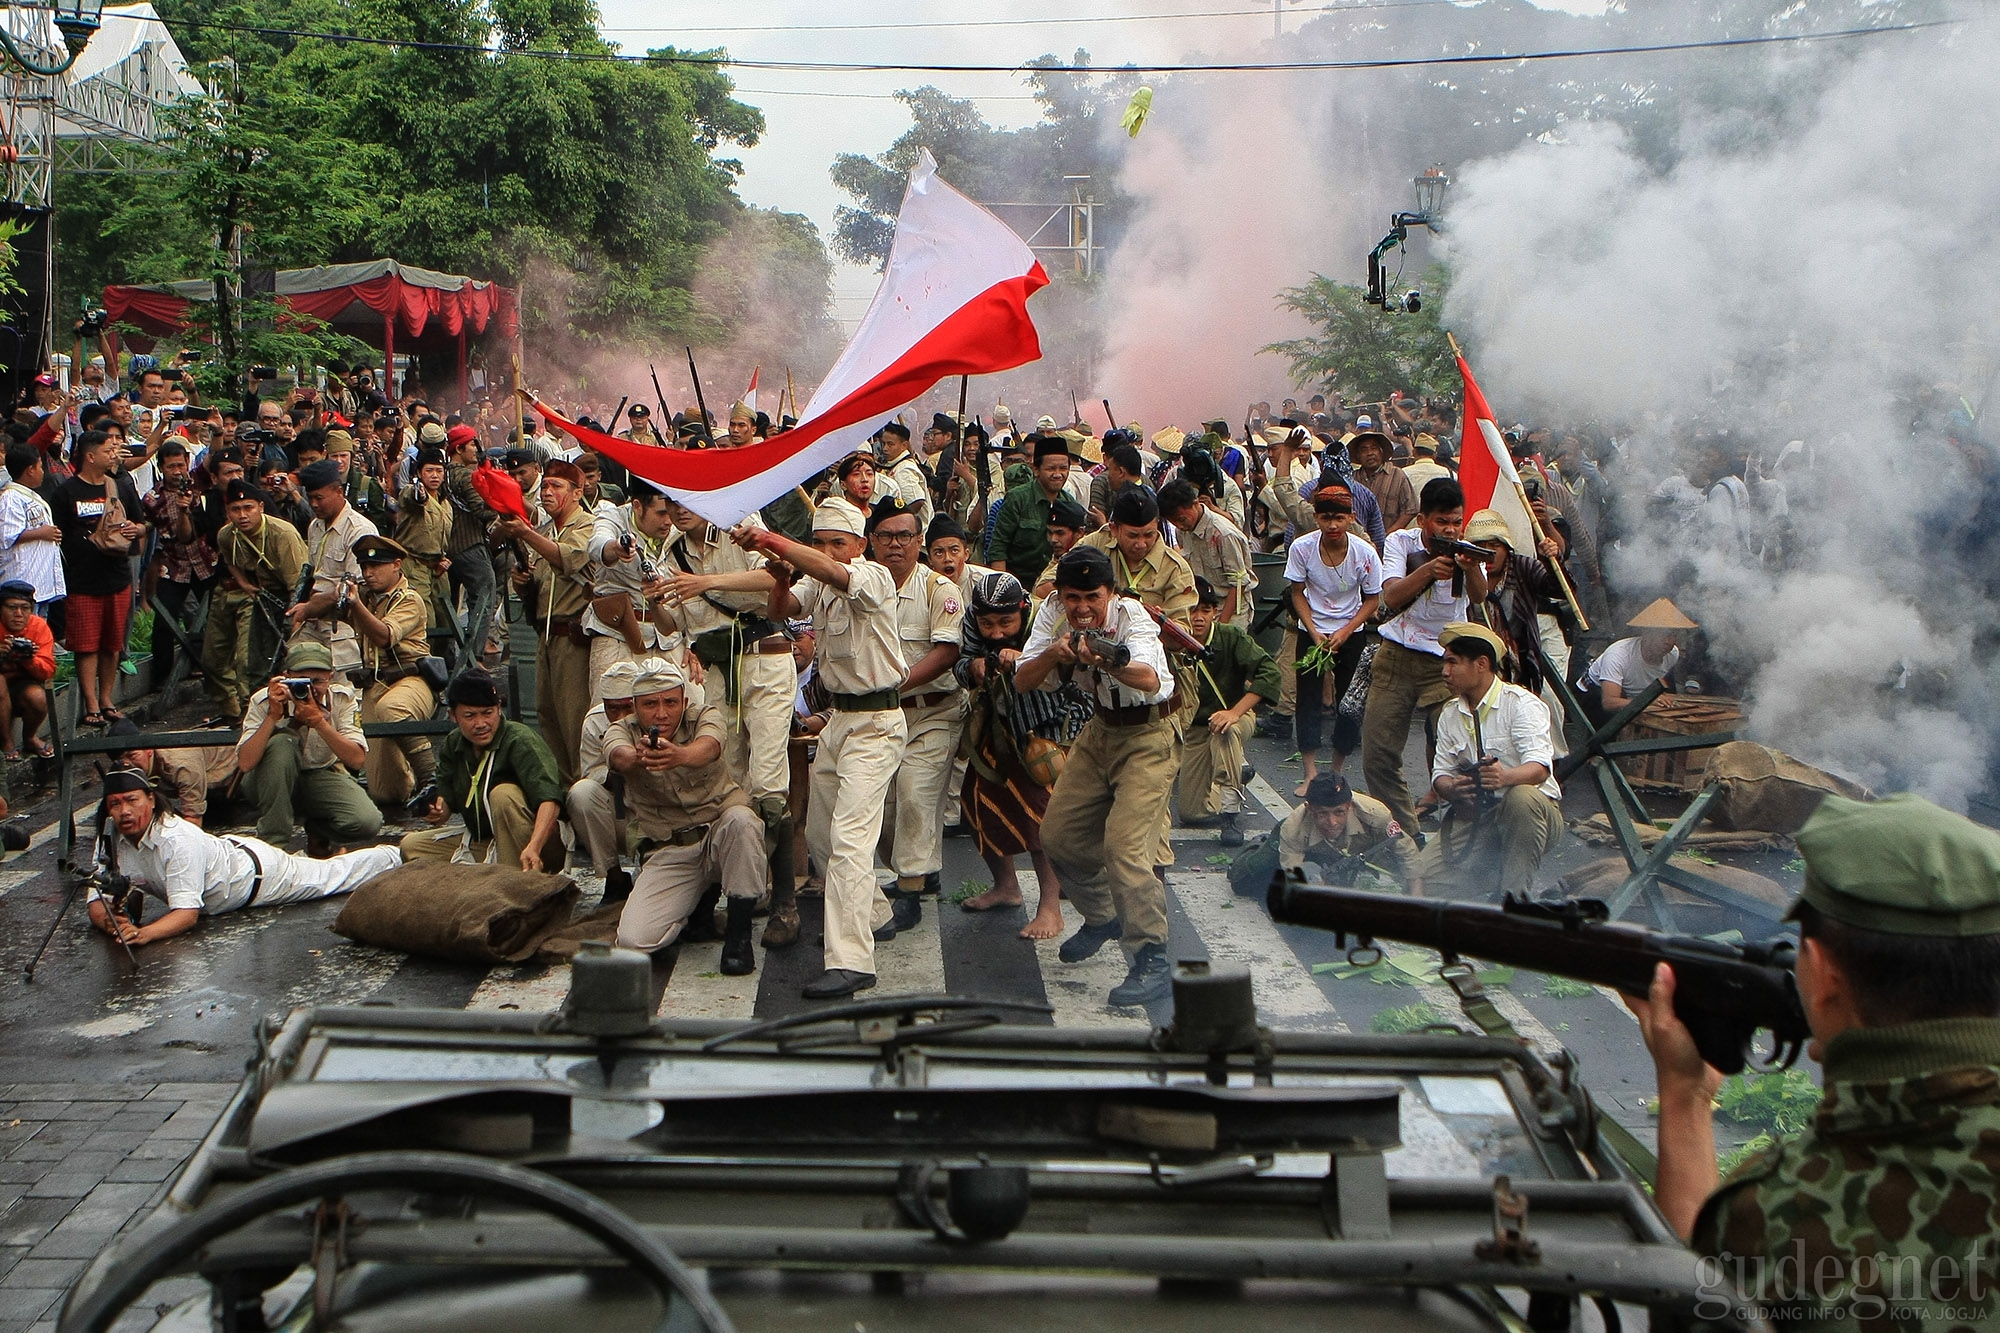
(1237, 930)
(529, 987)
(1077, 991)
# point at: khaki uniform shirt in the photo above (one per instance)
(1216, 549)
(1163, 579)
(423, 522)
(343, 708)
(1422, 473)
(565, 591)
(592, 759)
(856, 629)
(1371, 830)
(970, 575)
(710, 551)
(404, 611)
(330, 547)
(271, 558)
(929, 609)
(191, 772)
(609, 526)
(908, 477)
(673, 799)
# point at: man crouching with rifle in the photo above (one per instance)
(198, 874)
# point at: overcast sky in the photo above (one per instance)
(813, 116)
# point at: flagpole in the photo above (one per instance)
(1554, 565)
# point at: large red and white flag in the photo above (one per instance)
(953, 301)
(750, 394)
(1486, 472)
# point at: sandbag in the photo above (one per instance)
(1767, 789)
(471, 914)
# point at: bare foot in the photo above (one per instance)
(992, 899)
(1048, 924)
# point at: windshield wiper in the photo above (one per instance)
(866, 1016)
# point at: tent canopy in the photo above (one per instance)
(374, 301)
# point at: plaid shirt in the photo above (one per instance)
(189, 561)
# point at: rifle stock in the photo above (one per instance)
(1724, 993)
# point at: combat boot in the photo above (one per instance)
(1150, 978)
(782, 928)
(701, 924)
(738, 958)
(1231, 835)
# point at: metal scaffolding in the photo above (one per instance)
(1066, 228)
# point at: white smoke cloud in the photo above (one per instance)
(1799, 288)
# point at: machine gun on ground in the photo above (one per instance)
(1724, 993)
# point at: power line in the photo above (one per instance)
(1234, 67)
(876, 97)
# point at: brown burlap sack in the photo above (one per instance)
(1769, 790)
(473, 914)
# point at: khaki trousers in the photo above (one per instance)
(852, 772)
(923, 784)
(668, 886)
(398, 765)
(1102, 826)
(236, 649)
(759, 723)
(593, 813)
(605, 651)
(1403, 682)
(513, 825)
(1498, 852)
(1211, 768)
(562, 697)
(1288, 674)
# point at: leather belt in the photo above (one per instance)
(555, 625)
(928, 700)
(687, 837)
(776, 643)
(257, 881)
(1136, 716)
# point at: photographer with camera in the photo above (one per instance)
(198, 874)
(182, 569)
(396, 685)
(1495, 767)
(300, 749)
(28, 664)
(1102, 828)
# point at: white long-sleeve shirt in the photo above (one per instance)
(1513, 726)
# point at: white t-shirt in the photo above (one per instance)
(1418, 626)
(1623, 665)
(1334, 593)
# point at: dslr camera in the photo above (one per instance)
(298, 687)
(21, 647)
(94, 322)
(1410, 302)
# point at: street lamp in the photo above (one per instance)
(1431, 185)
(77, 21)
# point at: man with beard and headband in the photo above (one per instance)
(859, 661)
(1102, 826)
(198, 874)
(928, 608)
(717, 595)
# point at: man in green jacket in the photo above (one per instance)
(1235, 678)
(1021, 529)
(498, 774)
(1884, 1213)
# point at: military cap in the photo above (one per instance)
(318, 476)
(376, 549)
(339, 442)
(1329, 791)
(1085, 568)
(1065, 512)
(239, 489)
(523, 458)
(126, 779)
(561, 469)
(123, 726)
(1902, 866)
(1205, 593)
(657, 675)
(1045, 422)
(307, 655)
(473, 688)
(1464, 629)
(944, 421)
(618, 680)
(838, 515)
(888, 507)
(1426, 443)
(944, 525)
(740, 411)
(433, 434)
(1018, 474)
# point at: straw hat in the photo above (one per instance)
(1662, 614)
(1168, 439)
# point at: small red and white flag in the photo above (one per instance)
(750, 394)
(1486, 471)
(953, 301)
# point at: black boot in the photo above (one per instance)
(701, 925)
(905, 911)
(738, 958)
(1231, 835)
(1151, 978)
(617, 884)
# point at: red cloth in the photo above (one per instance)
(96, 622)
(500, 491)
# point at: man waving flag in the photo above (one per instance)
(953, 301)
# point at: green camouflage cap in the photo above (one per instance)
(1901, 865)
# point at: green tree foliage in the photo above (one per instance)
(489, 161)
(1024, 165)
(1363, 352)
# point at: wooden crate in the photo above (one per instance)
(1678, 715)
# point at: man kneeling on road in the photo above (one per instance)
(498, 774)
(680, 794)
(198, 874)
(1496, 766)
(1343, 832)
(300, 747)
